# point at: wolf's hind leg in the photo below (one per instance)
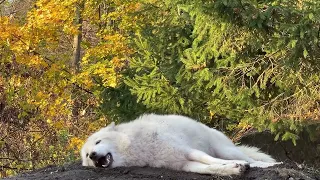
(219, 169)
(235, 153)
(200, 156)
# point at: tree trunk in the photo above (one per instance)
(77, 57)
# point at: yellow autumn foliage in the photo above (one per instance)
(37, 84)
(75, 144)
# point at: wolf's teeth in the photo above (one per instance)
(104, 165)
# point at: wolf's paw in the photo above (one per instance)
(261, 164)
(240, 162)
(244, 167)
(231, 169)
(239, 168)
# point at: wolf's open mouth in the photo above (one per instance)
(104, 161)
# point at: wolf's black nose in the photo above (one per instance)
(93, 155)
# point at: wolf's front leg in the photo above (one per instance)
(219, 169)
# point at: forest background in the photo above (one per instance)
(69, 67)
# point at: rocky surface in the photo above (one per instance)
(288, 171)
(300, 162)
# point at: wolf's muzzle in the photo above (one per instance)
(101, 161)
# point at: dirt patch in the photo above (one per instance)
(288, 171)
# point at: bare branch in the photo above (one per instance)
(2, 1)
(14, 159)
(9, 167)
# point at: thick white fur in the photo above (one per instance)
(174, 142)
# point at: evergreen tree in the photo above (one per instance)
(252, 62)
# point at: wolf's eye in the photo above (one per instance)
(87, 154)
(98, 142)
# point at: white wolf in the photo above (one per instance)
(173, 142)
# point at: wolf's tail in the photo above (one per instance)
(256, 154)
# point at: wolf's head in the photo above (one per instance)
(100, 149)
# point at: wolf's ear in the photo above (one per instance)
(112, 125)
